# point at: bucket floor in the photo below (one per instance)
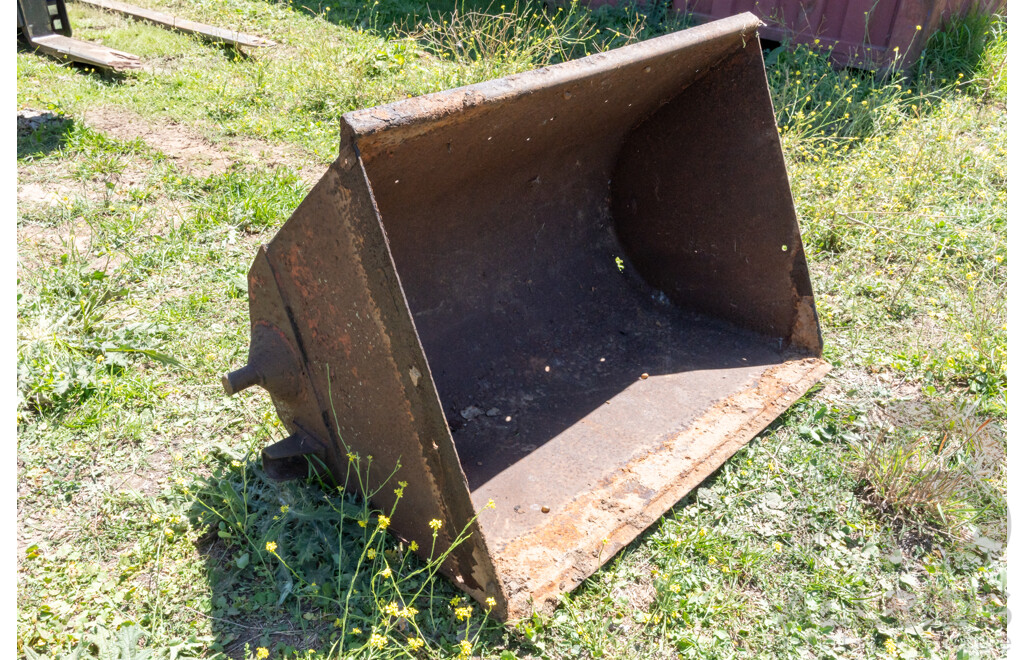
(561, 415)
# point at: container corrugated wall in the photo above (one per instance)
(863, 33)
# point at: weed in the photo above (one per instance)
(248, 201)
(913, 478)
(975, 47)
(325, 552)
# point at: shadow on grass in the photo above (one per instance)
(598, 28)
(290, 568)
(391, 18)
(41, 133)
(255, 600)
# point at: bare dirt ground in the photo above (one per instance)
(42, 186)
(194, 153)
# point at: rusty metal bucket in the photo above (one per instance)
(574, 291)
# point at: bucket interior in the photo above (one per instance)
(556, 358)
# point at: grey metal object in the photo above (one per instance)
(44, 25)
(574, 291)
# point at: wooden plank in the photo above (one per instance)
(67, 48)
(208, 32)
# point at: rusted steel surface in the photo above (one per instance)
(202, 30)
(573, 291)
(570, 545)
(861, 33)
(44, 25)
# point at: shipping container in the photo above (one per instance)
(863, 33)
(869, 34)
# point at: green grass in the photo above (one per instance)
(869, 521)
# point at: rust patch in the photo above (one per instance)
(806, 333)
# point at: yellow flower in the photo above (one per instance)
(463, 613)
(491, 504)
(415, 643)
(386, 573)
(917, 27)
(674, 588)
(455, 601)
(361, 523)
(777, 546)
(284, 509)
(262, 653)
(712, 561)
(271, 546)
(392, 609)
(377, 641)
(357, 631)
(490, 602)
(383, 521)
(465, 648)
(337, 623)
(435, 524)
(414, 546)
(408, 612)
(371, 553)
(890, 646)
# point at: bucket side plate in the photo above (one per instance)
(367, 372)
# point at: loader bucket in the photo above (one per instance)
(574, 291)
